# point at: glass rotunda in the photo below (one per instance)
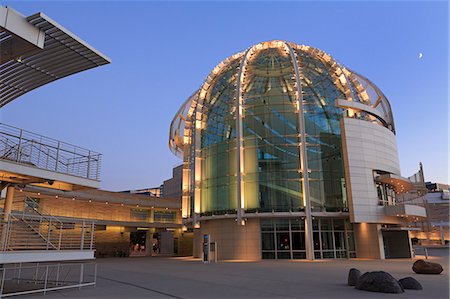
(262, 139)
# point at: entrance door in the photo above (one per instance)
(396, 244)
(137, 243)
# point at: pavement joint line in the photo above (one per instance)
(140, 287)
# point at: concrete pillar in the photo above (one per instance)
(369, 240)
(6, 212)
(8, 203)
(411, 249)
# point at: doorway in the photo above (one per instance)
(137, 243)
(396, 244)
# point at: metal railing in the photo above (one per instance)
(44, 232)
(24, 279)
(32, 149)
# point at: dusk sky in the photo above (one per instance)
(162, 51)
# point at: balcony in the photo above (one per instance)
(405, 210)
(27, 157)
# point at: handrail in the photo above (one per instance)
(44, 213)
(53, 233)
(46, 239)
(43, 152)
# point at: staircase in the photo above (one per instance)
(23, 237)
(35, 229)
(33, 245)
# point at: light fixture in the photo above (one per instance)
(56, 196)
(39, 193)
(106, 202)
(73, 198)
(90, 200)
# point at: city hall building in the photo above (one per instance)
(289, 155)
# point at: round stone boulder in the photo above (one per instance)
(379, 281)
(353, 276)
(424, 267)
(409, 283)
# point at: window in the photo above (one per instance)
(386, 194)
(139, 214)
(164, 216)
(285, 238)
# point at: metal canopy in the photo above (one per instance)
(63, 54)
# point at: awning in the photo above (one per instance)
(26, 65)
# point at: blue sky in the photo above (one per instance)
(162, 51)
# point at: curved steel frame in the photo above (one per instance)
(347, 81)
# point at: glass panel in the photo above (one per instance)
(339, 240)
(327, 240)
(284, 255)
(267, 225)
(338, 224)
(299, 255)
(268, 255)
(351, 241)
(315, 223)
(282, 224)
(297, 224)
(316, 241)
(271, 122)
(298, 241)
(322, 125)
(283, 242)
(267, 240)
(326, 224)
(328, 254)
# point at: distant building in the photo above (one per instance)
(435, 230)
(172, 187)
(156, 191)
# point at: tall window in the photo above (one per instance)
(386, 195)
(285, 238)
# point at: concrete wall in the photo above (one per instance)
(369, 241)
(95, 210)
(233, 241)
(185, 243)
(112, 240)
(367, 146)
(172, 187)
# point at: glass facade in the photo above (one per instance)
(284, 238)
(263, 135)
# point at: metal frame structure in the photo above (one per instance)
(360, 99)
(36, 50)
(41, 277)
(31, 149)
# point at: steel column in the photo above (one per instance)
(303, 158)
(240, 140)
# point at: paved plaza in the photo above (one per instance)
(158, 277)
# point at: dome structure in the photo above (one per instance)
(266, 88)
(264, 135)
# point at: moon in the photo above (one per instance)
(420, 55)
